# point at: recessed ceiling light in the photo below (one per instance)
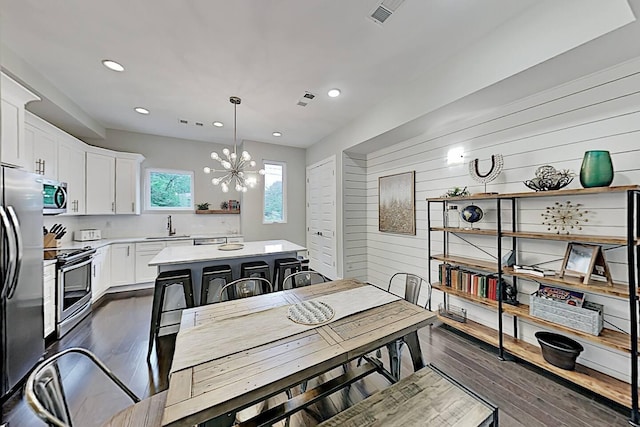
(141, 110)
(218, 124)
(333, 93)
(112, 65)
(277, 134)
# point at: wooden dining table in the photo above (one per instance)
(231, 355)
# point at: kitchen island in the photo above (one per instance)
(196, 258)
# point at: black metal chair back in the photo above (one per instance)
(413, 284)
(44, 390)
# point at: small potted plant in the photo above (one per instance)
(224, 205)
(201, 207)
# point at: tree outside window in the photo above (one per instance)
(169, 190)
(274, 194)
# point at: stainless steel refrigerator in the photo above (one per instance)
(21, 316)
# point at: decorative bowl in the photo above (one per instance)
(559, 350)
(548, 178)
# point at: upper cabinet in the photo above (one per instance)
(128, 183)
(41, 146)
(13, 146)
(71, 169)
(101, 182)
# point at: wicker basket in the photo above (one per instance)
(587, 318)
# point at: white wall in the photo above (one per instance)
(555, 127)
(354, 216)
(253, 200)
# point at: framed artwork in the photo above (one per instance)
(586, 262)
(396, 203)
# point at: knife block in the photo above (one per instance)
(50, 241)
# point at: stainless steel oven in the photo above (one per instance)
(73, 293)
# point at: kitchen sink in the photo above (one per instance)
(181, 236)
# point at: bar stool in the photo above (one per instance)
(209, 275)
(164, 280)
(282, 268)
(255, 268)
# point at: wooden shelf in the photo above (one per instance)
(608, 337)
(219, 211)
(595, 381)
(581, 238)
(466, 231)
(489, 266)
(554, 193)
(617, 290)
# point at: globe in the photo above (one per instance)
(471, 214)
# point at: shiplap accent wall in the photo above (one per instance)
(555, 127)
(354, 215)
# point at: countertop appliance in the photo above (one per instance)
(73, 286)
(54, 199)
(87, 235)
(21, 289)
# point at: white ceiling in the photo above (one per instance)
(184, 59)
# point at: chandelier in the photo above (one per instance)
(234, 167)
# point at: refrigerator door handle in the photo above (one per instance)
(9, 269)
(19, 250)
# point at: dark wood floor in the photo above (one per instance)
(117, 332)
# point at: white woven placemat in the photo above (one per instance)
(310, 312)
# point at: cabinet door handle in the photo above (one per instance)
(133, 206)
(128, 248)
(113, 206)
(44, 166)
(94, 270)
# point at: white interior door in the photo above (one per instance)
(321, 217)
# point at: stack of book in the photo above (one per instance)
(481, 285)
(533, 270)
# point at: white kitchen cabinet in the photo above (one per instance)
(101, 191)
(145, 251)
(128, 183)
(123, 264)
(13, 146)
(100, 272)
(41, 142)
(71, 169)
(49, 307)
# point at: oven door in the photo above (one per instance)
(74, 288)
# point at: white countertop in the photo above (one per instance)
(104, 242)
(190, 254)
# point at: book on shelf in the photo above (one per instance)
(481, 285)
(533, 270)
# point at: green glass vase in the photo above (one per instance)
(597, 169)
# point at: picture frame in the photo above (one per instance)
(396, 203)
(585, 261)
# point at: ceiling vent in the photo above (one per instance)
(384, 10)
(305, 99)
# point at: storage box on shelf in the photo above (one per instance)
(598, 382)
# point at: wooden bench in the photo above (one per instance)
(146, 413)
(426, 398)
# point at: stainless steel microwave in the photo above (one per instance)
(54, 197)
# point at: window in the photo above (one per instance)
(169, 190)
(275, 197)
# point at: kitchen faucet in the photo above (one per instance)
(172, 230)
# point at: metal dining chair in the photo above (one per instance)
(413, 284)
(303, 278)
(44, 391)
(245, 287)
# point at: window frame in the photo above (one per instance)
(147, 190)
(284, 191)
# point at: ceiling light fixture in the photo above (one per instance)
(112, 65)
(277, 134)
(234, 167)
(218, 124)
(141, 110)
(333, 93)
